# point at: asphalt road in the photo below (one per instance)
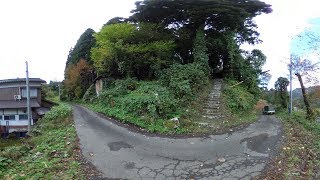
(120, 153)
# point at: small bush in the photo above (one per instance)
(238, 99)
(144, 98)
(61, 111)
(4, 162)
(184, 80)
(14, 152)
(118, 88)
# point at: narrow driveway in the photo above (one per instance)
(120, 153)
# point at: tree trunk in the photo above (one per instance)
(305, 98)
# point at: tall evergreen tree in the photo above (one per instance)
(224, 20)
(82, 49)
(79, 74)
(282, 91)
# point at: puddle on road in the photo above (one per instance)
(116, 146)
(129, 165)
(257, 143)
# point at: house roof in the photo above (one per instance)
(18, 104)
(22, 80)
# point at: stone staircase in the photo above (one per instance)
(212, 107)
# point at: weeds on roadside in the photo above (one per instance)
(299, 156)
(49, 153)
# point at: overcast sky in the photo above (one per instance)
(42, 32)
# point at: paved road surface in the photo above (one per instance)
(119, 153)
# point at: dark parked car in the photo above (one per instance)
(268, 110)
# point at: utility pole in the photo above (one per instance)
(290, 66)
(28, 98)
(59, 90)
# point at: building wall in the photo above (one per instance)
(17, 124)
(8, 93)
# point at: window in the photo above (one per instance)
(33, 93)
(0, 117)
(23, 117)
(9, 117)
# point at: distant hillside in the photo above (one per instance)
(297, 93)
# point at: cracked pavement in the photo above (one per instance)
(120, 153)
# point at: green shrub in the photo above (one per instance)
(4, 162)
(14, 152)
(118, 88)
(57, 112)
(140, 98)
(237, 98)
(149, 99)
(184, 80)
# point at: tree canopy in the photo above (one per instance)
(226, 23)
(79, 73)
(215, 15)
(82, 48)
(132, 50)
(165, 34)
(281, 87)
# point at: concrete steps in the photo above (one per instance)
(212, 108)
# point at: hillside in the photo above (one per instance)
(297, 93)
(155, 69)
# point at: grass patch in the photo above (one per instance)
(49, 153)
(299, 157)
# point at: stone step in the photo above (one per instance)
(203, 124)
(215, 94)
(213, 102)
(209, 104)
(213, 117)
(212, 107)
(214, 98)
(212, 114)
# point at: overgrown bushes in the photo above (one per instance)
(184, 81)
(237, 97)
(149, 103)
(48, 154)
(140, 98)
(299, 157)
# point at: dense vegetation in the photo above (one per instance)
(300, 154)
(155, 63)
(49, 153)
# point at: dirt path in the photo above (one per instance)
(120, 153)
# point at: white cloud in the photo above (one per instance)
(43, 32)
(288, 19)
